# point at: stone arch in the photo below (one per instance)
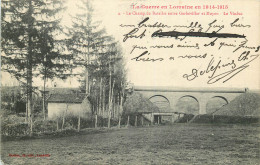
(222, 97)
(161, 102)
(189, 96)
(187, 106)
(216, 104)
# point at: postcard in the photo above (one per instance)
(130, 81)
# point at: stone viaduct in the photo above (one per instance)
(170, 96)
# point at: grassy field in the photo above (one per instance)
(175, 144)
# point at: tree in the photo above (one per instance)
(85, 40)
(98, 56)
(28, 29)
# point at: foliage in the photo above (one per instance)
(246, 104)
(135, 105)
(187, 105)
(98, 56)
(71, 122)
(135, 102)
(223, 119)
(28, 30)
(29, 48)
(12, 100)
(185, 119)
(44, 126)
(17, 129)
(13, 125)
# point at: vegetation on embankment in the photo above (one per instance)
(134, 106)
(222, 119)
(246, 104)
(244, 109)
(136, 102)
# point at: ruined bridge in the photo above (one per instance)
(166, 98)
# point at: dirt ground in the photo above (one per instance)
(174, 144)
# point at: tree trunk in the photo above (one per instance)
(26, 117)
(57, 124)
(31, 126)
(118, 105)
(108, 125)
(87, 73)
(104, 101)
(96, 121)
(29, 66)
(97, 104)
(127, 121)
(100, 96)
(111, 98)
(27, 94)
(30, 107)
(151, 119)
(121, 99)
(43, 101)
(119, 121)
(114, 108)
(63, 122)
(79, 123)
(109, 94)
(135, 121)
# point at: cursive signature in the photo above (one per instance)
(225, 76)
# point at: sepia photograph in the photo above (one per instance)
(171, 82)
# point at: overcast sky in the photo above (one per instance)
(170, 73)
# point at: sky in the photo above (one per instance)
(112, 13)
(170, 73)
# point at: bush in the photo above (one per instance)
(11, 119)
(186, 118)
(17, 129)
(44, 126)
(13, 126)
(226, 119)
(243, 105)
(71, 122)
(136, 102)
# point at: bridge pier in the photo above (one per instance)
(202, 106)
